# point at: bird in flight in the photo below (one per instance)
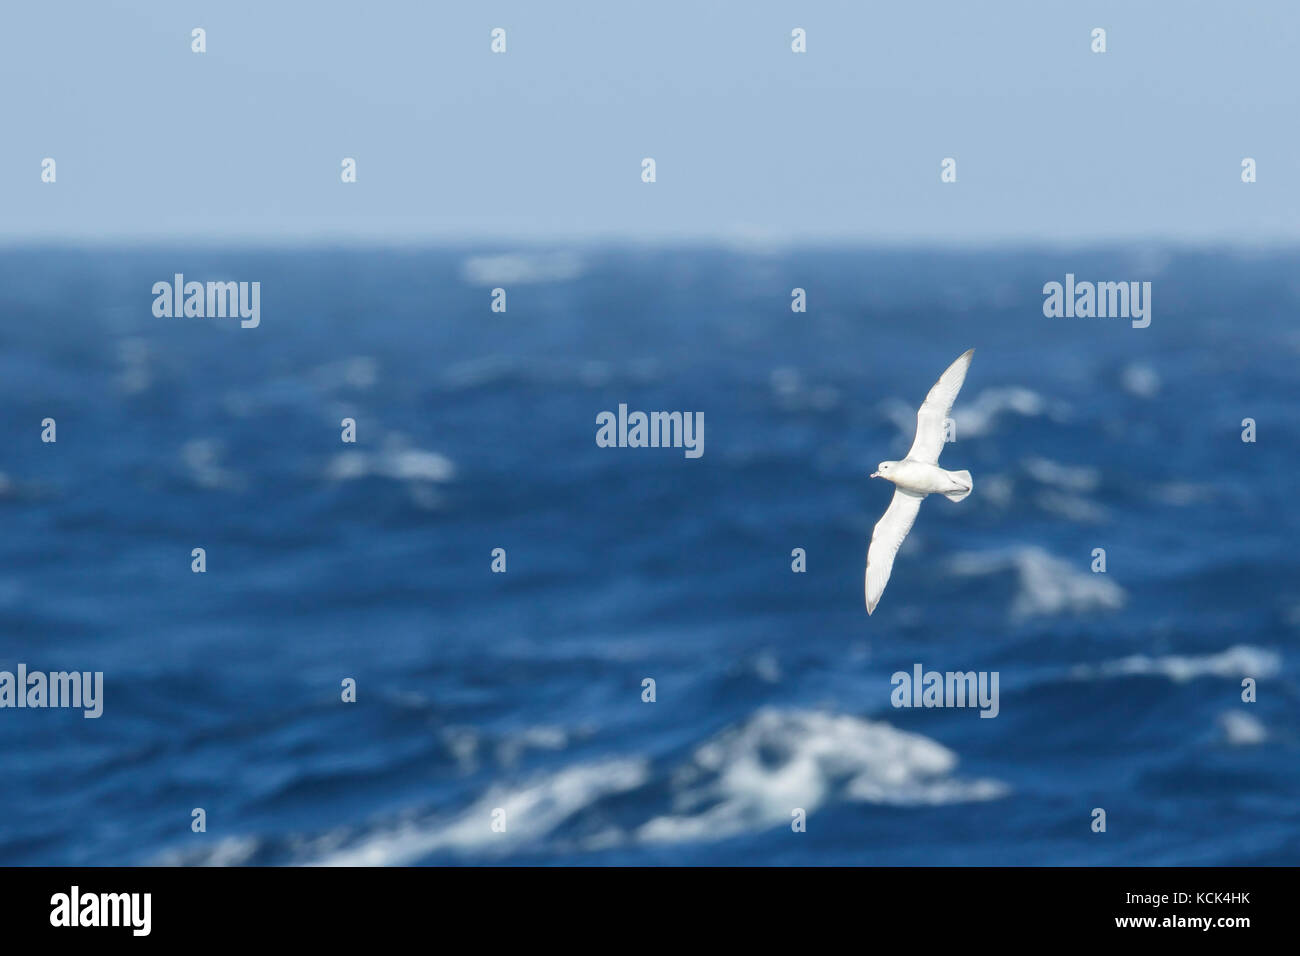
(916, 476)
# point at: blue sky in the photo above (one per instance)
(752, 141)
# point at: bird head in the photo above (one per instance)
(883, 469)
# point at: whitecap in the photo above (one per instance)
(532, 811)
(1240, 660)
(998, 490)
(767, 667)
(226, 851)
(1241, 730)
(748, 777)
(202, 459)
(396, 460)
(1140, 380)
(754, 776)
(533, 738)
(480, 372)
(416, 465)
(977, 417)
(1079, 478)
(1047, 584)
(1181, 493)
(1072, 507)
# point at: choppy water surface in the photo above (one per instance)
(522, 690)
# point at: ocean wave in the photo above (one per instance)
(1140, 380)
(977, 418)
(1071, 507)
(747, 778)
(226, 851)
(1241, 729)
(753, 777)
(1048, 585)
(532, 811)
(509, 751)
(1076, 478)
(974, 418)
(397, 461)
(997, 490)
(1181, 494)
(1241, 660)
(202, 460)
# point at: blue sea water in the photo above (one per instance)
(522, 691)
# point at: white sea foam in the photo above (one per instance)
(1240, 660)
(1140, 380)
(1241, 729)
(463, 743)
(482, 371)
(413, 464)
(226, 851)
(1072, 507)
(973, 418)
(746, 778)
(998, 490)
(753, 776)
(202, 459)
(534, 738)
(532, 811)
(1181, 493)
(396, 460)
(977, 417)
(1047, 584)
(767, 667)
(1077, 478)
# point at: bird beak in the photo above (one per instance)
(875, 474)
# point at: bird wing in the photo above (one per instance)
(934, 410)
(890, 531)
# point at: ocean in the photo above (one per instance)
(499, 716)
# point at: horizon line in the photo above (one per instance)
(734, 241)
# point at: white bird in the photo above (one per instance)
(916, 476)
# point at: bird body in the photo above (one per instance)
(915, 477)
(923, 478)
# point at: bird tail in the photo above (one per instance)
(961, 477)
